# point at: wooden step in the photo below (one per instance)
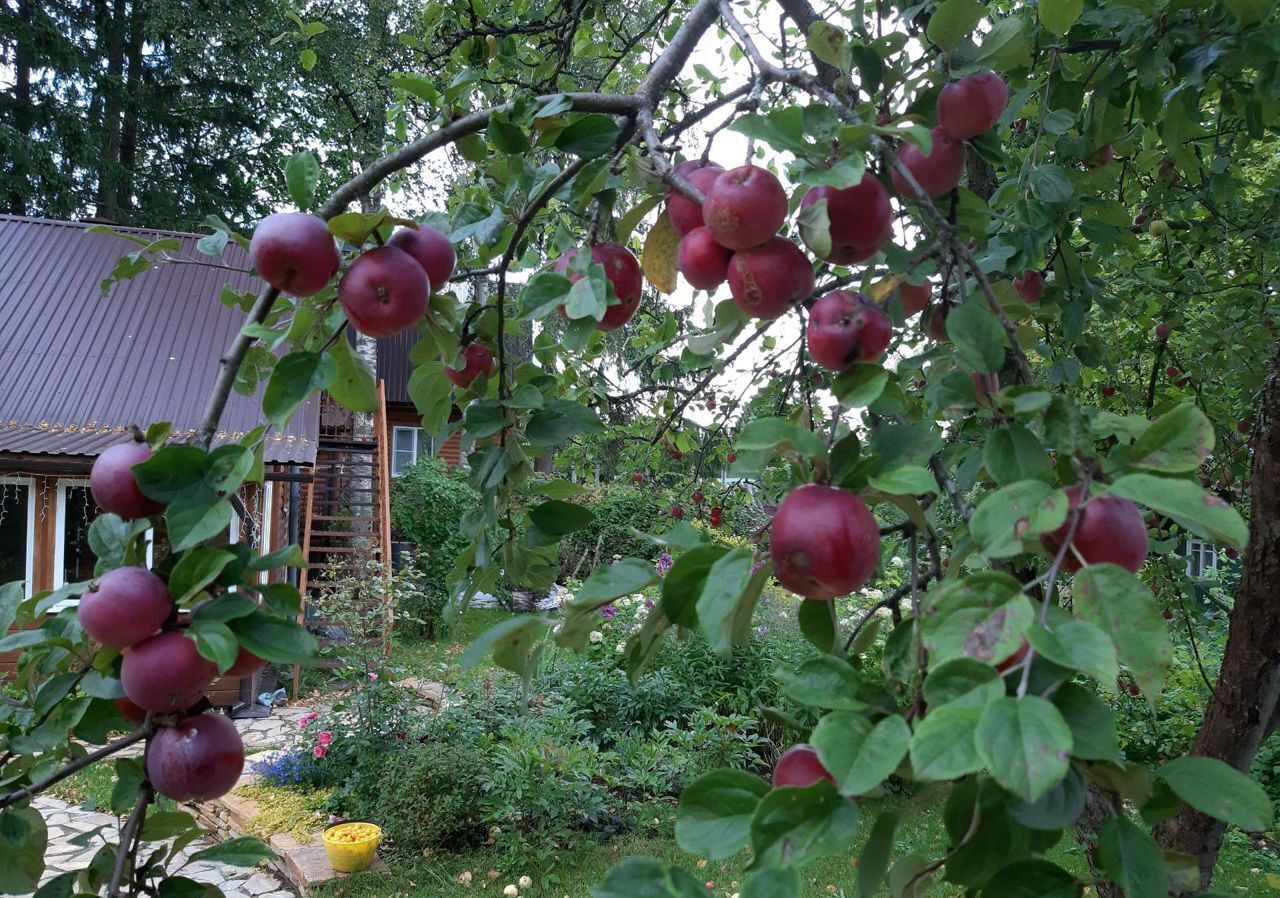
(339, 550)
(315, 532)
(346, 445)
(340, 517)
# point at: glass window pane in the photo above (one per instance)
(425, 448)
(79, 510)
(15, 525)
(399, 461)
(403, 439)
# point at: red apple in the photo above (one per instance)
(113, 485)
(938, 173)
(985, 386)
(1163, 332)
(166, 673)
(697, 497)
(621, 270)
(1172, 371)
(845, 329)
(199, 759)
(384, 292)
(676, 511)
(637, 478)
(825, 542)
(731, 458)
(1101, 157)
(935, 322)
(1108, 391)
(1030, 286)
(294, 252)
(1242, 427)
(130, 712)
(914, 298)
(703, 262)
(970, 106)
(1233, 554)
(744, 207)
(767, 280)
(477, 359)
(431, 249)
(684, 213)
(860, 219)
(246, 664)
(799, 766)
(1111, 529)
(124, 606)
(717, 517)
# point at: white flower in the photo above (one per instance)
(896, 561)
(511, 891)
(620, 648)
(874, 594)
(596, 636)
(526, 882)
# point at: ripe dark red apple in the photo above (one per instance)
(937, 173)
(124, 606)
(113, 485)
(384, 292)
(1134, 690)
(1015, 659)
(985, 386)
(744, 207)
(717, 517)
(477, 359)
(130, 712)
(676, 511)
(684, 213)
(845, 329)
(731, 458)
(637, 478)
(935, 322)
(825, 542)
(767, 280)
(1172, 371)
(697, 497)
(703, 262)
(1167, 614)
(970, 106)
(166, 673)
(430, 249)
(622, 270)
(799, 766)
(1111, 529)
(1233, 554)
(860, 219)
(199, 759)
(1242, 427)
(1030, 285)
(294, 252)
(246, 664)
(1163, 332)
(914, 298)
(1108, 391)
(1101, 157)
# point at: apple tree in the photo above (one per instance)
(1006, 272)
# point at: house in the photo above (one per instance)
(77, 368)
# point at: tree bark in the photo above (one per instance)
(22, 109)
(800, 12)
(1240, 712)
(111, 34)
(125, 185)
(1100, 805)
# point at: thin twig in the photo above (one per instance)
(77, 765)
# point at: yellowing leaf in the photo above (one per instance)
(659, 256)
(880, 290)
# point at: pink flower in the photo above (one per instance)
(320, 751)
(324, 737)
(373, 676)
(302, 723)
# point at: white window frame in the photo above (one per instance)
(30, 568)
(418, 437)
(1199, 551)
(60, 528)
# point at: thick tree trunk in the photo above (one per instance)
(1240, 712)
(111, 35)
(132, 109)
(1100, 805)
(22, 110)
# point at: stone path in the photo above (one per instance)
(66, 822)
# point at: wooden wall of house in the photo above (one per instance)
(399, 415)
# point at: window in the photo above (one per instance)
(17, 530)
(73, 560)
(408, 444)
(1201, 558)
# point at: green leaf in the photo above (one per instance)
(714, 815)
(977, 335)
(764, 434)
(1119, 604)
(1025, 744)
(215, 642)
(274, 638)
(559, 421)
(858, 755)
(1092, 724)
(683, 583)
(294, 378)
(226, 467)
(1006, 46)
(511, 642)
(1032, 879)
(185, 887)
(861, 385)
(953, 21)
(817, 624)
(112, 539)
(908, 480)
(909, 877)
(943, 745)
(196, 570)
(353, 384)
(1079, 645)
(227, 606)
(984, 616)
(1059, 15)
(618, 579)
(1178, 441)
(830, 44)
(196, 518)
(429, 389)
(23, 841)
(822, 682)
(171, 472)
(12, 595)
(1015, 512)
(1219, 790)
(771, 882)
(301, 174)
(558, 518)
(1056, 809)
(245, 851)
(1196, 509)
(1049, 184)
(728, 598)
(307, 58)
(1133, 860)
(873, 863)
(793, 826)
(962, 683)
(1014, 454)
(647, 877)
(590, 136)
(542, 294)
(161, 825)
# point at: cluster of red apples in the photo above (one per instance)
(191, 756)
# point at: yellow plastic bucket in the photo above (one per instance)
(352, 846)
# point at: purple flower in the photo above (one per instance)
(648, 604)
(759, 564)
(664, 564)
(608, 611)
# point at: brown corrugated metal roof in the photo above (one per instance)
(76, 368)
(394, 366)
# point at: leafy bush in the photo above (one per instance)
(619, 510)
(428, 502)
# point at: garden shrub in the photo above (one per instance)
(619, 509)
(428, 501)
